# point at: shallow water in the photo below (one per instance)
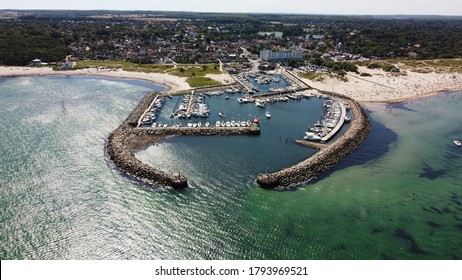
(399, 196)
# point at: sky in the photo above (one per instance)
(344, 7)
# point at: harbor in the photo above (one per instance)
(327, 156)
(119, 150)
(212, 112)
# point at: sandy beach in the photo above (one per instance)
(380, 87)
(171, 82)
(390, 87)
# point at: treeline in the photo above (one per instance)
(48, 34)
(386, 38)
(21, 43)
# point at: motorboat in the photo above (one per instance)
(312, 136)
(457, 143)
(267, 114)
(261, 104)
(221, 114)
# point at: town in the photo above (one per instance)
(311, 43)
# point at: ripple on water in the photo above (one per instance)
(61, 200)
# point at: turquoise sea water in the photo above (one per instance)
(399, 196)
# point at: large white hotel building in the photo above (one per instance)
(282, 55)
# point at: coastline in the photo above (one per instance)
(384, 87)
(170, 82)
(381, 87)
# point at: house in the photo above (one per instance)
(37, 62)
(68, 64)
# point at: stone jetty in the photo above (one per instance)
(120, 151)
(325, 158)
(121, 142)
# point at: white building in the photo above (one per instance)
(282, 55)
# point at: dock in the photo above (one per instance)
(146, 111)
(339, 125)
(328, 155)
(243, 85)
(188, 109)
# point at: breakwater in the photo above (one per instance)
(121, 142)
(326, 157)
(119, 146)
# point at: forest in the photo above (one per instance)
(52, 35)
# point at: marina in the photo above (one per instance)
(66, 162)
(193, 113)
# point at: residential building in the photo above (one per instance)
(282, 55)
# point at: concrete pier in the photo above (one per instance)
(339, 125)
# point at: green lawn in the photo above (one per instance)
(194, 72)
(201, 82)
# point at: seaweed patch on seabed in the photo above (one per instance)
(432, 174)
(378, 230)
(434, 224)
(340, 248)
(414, 247)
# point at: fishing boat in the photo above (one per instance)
(267, 114)
(457, 143)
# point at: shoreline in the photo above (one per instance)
(126, 138)
(170, 82)
(381, 87)
(390, 88)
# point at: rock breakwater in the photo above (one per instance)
(119, 146)
(325, 158)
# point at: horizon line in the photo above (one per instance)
(220, 12)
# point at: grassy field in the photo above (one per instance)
(194, 72)
(201, 82)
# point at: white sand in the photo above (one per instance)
(173, 83)
(381, 87)
(388, 87)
